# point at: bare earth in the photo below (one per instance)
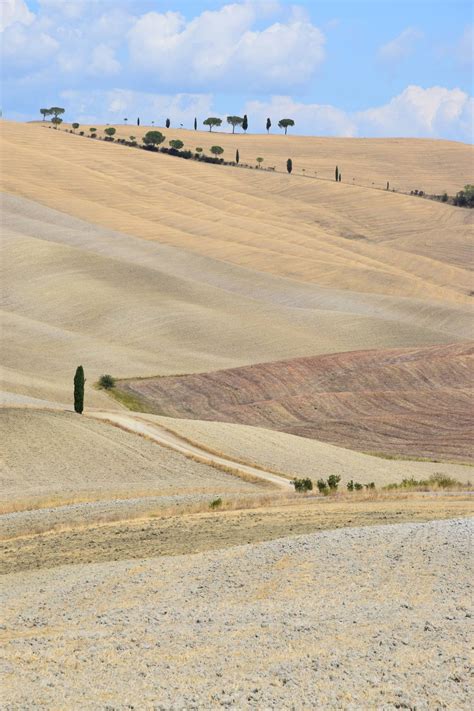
(351, 619)
(414, 402)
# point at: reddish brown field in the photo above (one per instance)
(411, 401)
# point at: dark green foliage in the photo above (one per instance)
(340, 177)
(168, 123)
(441, 481)
(322, 487)
(336, 173)
(237, 156)
(465, 197)
(215, 503)
(153, 138)
(107, 382)
(176, 144)
(217, 150)
(289, 165)
(358, 486)
(45, 112)
(111, 131)
(245, 123)
(269, 125)
(302, 485)
(333, 481)
(285, 123)
(81, 133)
(56, 120)
(56, 111)
(371, 485)
(350, 485)
(138, 121)
(212, 121)
(388, 185)
(234, 121)
(444, 197)
(199, 149)
(79, 381)
(75, 126)
(195, 124)
(93, 130)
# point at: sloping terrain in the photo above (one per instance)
(340, 236)
(356, 618)
(51, 458)
(75, 293)
(295, 456)
(410, 401)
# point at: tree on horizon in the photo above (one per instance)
(212, 121)
(285, 123)
(234, 121)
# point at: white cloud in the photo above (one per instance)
(113, 106)
(401, 46)
(24, 47)
(224, 48)
(12, 11)
(433, 112)
(103, 61)
(312, 119)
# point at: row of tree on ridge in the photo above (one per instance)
(211, 122)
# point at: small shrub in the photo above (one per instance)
(215, 504)
(350, 485)
(322, 487)
(358, 486)
(93, 135)
(81, 133)
(370, 486)
(444, 197)
(302, 485)
(333, 482)
(107, 382)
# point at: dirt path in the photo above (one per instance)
(160, 435)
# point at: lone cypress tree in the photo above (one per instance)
(79, 381)
(340, 177)
(337, 173)
(289, 165)
(245, 123)
(168, 123)
(269, 125)
(138, 121)
(237, 156)
(195, 124)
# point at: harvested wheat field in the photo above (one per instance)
(260, 327)
(412, 402)
(316, 231)
(356, 618)
(293, 456)
(63, 291)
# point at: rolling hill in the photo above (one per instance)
(414, 402)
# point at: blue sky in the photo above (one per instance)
(338, 67)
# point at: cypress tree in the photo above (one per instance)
(337, 173)
(245, 123)
(269, 125)
(388, 185)
(237, 156)
(79, 390)
(168, 123)
(289, 165)
(340, 177)
(138, 121)
(195, 124)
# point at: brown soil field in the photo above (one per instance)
(414, 402)
(184, 534)
(337, 235)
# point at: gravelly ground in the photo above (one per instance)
(362, 618)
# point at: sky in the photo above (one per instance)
(336, 67)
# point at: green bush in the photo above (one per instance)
(358, 486)
(215, 503)
(322, 487)
(333, 481)
(107, 382)
(350, 485)
(302, 485)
